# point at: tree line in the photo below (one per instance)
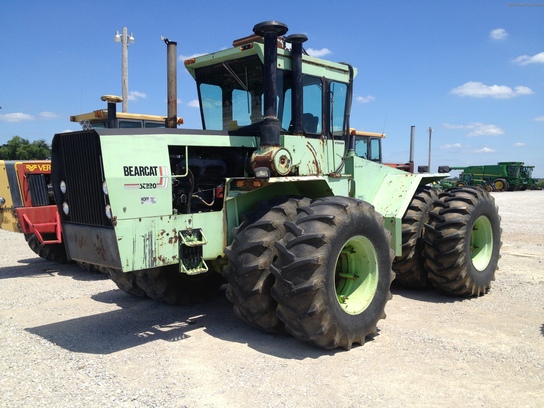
(19, 148)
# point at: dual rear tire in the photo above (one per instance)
(451, 241)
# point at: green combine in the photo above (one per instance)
(272, 197)
(503, 176)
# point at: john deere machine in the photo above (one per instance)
(27, 202)
(503, 176)
(273, 197)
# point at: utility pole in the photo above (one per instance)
(125, 40)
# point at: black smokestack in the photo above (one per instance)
(270, 31)
(296, 95)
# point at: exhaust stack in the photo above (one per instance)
(270, 31)
(296, 95)
(412, 140)
(172, 83)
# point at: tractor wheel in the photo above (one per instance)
(50, 252)
(126, 281)
(249, 258)
(461, 183)
(91, 268)
(409, 267)
(167, 285)
(462, 242)
(501, 184)
(489, 188)
(333, 272)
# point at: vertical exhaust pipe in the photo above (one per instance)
(412, 138)
(172, 83)
(296, 93)
(412, 143)
(270, 31)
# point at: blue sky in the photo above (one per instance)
(473, 71)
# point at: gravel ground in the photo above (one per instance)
(70, 338)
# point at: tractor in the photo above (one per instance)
(275, 196)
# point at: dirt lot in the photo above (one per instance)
(69, 338)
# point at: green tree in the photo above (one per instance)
(18, 148)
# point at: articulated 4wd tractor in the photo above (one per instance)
(271, 197)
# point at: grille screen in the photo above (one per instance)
(77, 160)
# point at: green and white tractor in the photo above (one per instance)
(276, 196)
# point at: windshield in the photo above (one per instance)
(231, 94)
(231, 99)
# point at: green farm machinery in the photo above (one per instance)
(272, 198)
(503, 176)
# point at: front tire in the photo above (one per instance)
(249, 258)
(462, 242)
(501, 184)
(334, 273)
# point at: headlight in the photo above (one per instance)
(105, 187)
(108, 211)
(65, 208)
(62, 186)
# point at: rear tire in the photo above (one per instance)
(249, 258)
(409, 267)
(334, 273)
(462, 242)
(126, 281)
(168, 285)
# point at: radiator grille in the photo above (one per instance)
(38, 189)
(77, 160)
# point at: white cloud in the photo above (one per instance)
(484, 150)
(479, 90)
(318, 53)
(477, 129)
(519, 144)
(539, 118)
(16, 117)
(135, 95)
(48, 115)
(498, 34)
(194, 104)
(527, 59)
(451, 146)
(365, 99)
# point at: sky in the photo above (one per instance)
(472, 71)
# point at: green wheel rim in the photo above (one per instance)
(481, 243)
(356, 277)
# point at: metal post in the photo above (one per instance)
(124, 69)
(430, 135)
(124, 39)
